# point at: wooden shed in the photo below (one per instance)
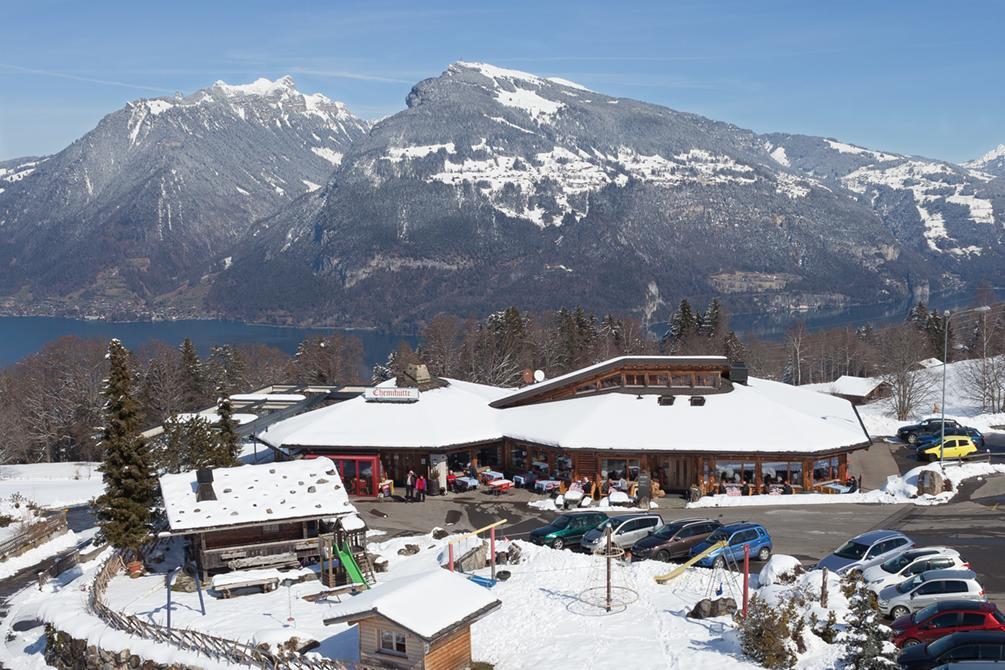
(418, 622)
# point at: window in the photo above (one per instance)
(825, 469)
(392, 642)
(586, 388)
(972, 619)
(955, 587)
(991, 652)
(519, 458)
(270, 528)
(659, 380)
(964, 653)
(635, 380)
(944, 620)
(620, 468)
(629, 526)
(678, 379)
(610, 382)
(706, 379)
(931, 588)
(940, 564)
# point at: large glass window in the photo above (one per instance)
(825, 469)
(680, 379)
(659, 380)
(706, 379)
(610, 382)
(587, 388)
(796, 473)
(635, 379)
(392, 642)
(616, 469)
(519, 458)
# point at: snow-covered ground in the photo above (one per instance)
(879, 418)
(52, 485)
(897, 490)
(54, 546)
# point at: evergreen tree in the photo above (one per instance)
(384, 371)
(225, 370)
(935, 331)
(918, 316)
(867, 640)
(229, 442)
(193, 382)
(711, 320)
(682, 327)
(733, 348)
(124, 509)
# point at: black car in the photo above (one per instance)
(911, 433)
(673, 540)
(970, 646)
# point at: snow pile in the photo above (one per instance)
(18, 514)
(58, 544)
(52, 485)
(777, 566)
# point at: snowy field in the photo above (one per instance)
(52, 485)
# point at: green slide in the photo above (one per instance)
(351, 568)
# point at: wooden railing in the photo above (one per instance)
(216, 648)
(31, 536)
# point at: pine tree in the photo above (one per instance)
(124, 509)
(733, 348)
(682, 327)
(201, 444)
(229, 442)
(224, 370)
(918, 316)
(867, 640)
(711, 320)
(193, 382)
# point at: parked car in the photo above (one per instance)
(737, 535)
(957, 446)
(945, 618)
(927, 588)
(969, 646)
(674, 540)
(567, 529)
(626, 530)
(909, 563)
(865, 550)
(966, 431)
(911, 433)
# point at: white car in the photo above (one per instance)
(909, 563)
(920, 591)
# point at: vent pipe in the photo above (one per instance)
(204, 479)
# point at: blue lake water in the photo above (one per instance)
(24, 335)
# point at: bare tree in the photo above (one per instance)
(900, 349)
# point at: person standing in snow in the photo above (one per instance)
(410, 486)
(420, 488)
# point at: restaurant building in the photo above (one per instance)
(692, 421)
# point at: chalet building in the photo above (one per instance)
(420, 622)
(692, 421)
(856, 390)
(272, 515)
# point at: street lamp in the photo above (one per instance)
(945, 361)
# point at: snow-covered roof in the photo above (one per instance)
(846, 385)
(405, 601)
(930, 363)
(211, 416)
(455, 414)
(764, 416)
(269, 397)
(250, 494)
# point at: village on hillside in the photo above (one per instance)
(688, 509)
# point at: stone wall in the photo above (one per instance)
(67, 653)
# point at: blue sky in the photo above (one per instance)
(914, 77)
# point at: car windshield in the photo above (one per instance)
(720, 535)
(909, 584)
(852, 549)
(897, 563)
(924, 614)
(668, 531)
(561, 522)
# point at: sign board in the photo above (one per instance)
(391, 394)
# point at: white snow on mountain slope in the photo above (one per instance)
(991, 156)
(843, 148)
(19, 172)
(403, 153)
(519, 90)
(330, 155)
(928, 183)
(566, 82)
(777, 154)
(260, 86)
(538, 107)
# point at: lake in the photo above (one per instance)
(24, 335)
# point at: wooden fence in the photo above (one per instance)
(32, 536)
(219, 649)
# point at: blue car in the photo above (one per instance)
(738, 535)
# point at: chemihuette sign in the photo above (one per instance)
(381, 394)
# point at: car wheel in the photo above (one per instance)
(764, 554)
(910, 643)
(912, 438)
(558, 544)
(719, 562)
(899, 611)
(663, 555)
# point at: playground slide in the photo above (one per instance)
(679, 570)
(351, 568)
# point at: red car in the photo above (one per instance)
(942, 618)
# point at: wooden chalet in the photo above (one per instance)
(400, 627)
(692, 421)
(272, 515)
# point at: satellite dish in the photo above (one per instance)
(539, 376)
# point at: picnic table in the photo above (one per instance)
(491, 475)
(500, 486)
(834, 487)
(465, 483)
(546, 485)
(228, 582)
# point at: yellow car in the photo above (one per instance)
(957, 446)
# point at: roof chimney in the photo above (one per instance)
(204, 478)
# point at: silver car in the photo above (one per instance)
(922, 590)
(626, 530)
(909, 563)
(865, 550)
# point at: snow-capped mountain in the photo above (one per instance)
(993, 162)
(496, 187)
(138, 206)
